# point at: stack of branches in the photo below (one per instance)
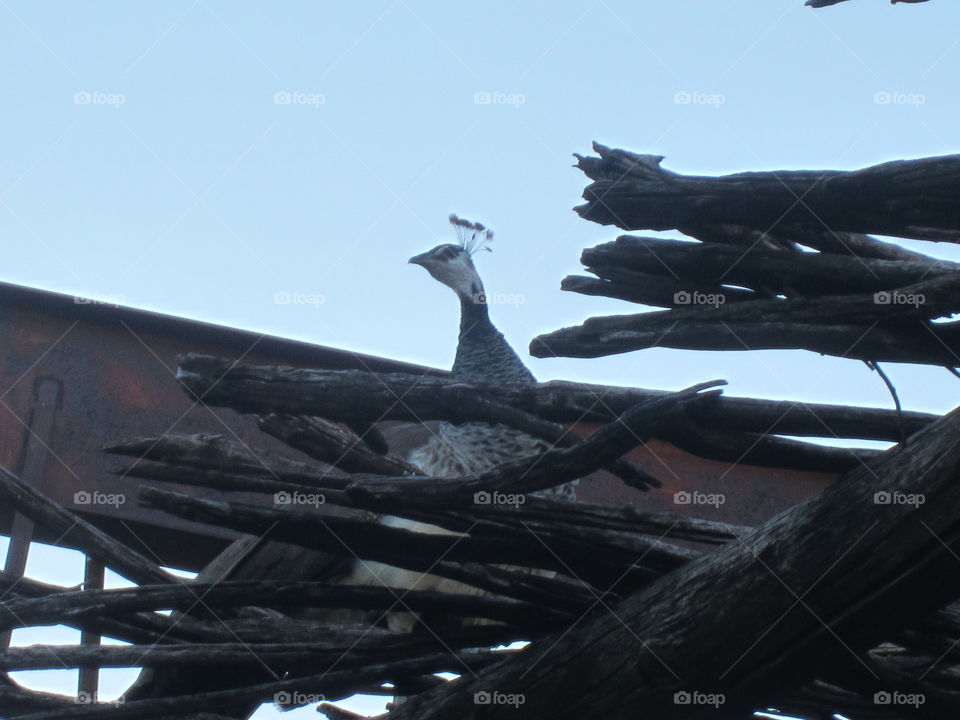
(780, 260)
(587, 558)
(590, 563)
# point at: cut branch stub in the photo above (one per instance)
(904, 198)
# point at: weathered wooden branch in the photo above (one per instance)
(253, 390)
(17, 586)
(342, 394)
(534, 511)
(756, 617)
(332, 444)
(709, 267)
(222, 456)
(366, 649)
(792, 238)
(42, 510)
(71, 606)
(561, 400)
(558, 401)
(858, 327)
(906, 198)
(334, 683)
(461, 556)
(652, 290)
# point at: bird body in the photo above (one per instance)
(483, 356)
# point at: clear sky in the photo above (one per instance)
(198, 158)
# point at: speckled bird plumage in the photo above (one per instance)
(483, 356)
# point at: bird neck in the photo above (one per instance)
(483, 354)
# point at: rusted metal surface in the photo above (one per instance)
(708, 489)
(114, 369)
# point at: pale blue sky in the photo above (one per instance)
(146, 159)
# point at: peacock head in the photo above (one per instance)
(452, 264)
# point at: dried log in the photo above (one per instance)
(645, 289)
(15, 699)
(822, 239)
(340, 394)
(186, 474)
(556, 515)
(332, 444)
(461, 556)
(74, 606)
(859, 328)
(905, 198)
(19, 586)
(535, 510)
(709, 267)
(754, 618)
(85, 537)
(765, 451)
(325, 651)
(561, 400)
(339, 682)
(220, 456)
(459, 404)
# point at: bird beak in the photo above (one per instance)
(420, 259)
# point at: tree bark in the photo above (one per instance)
(801, 595)
(849, 326)
(904, 198)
